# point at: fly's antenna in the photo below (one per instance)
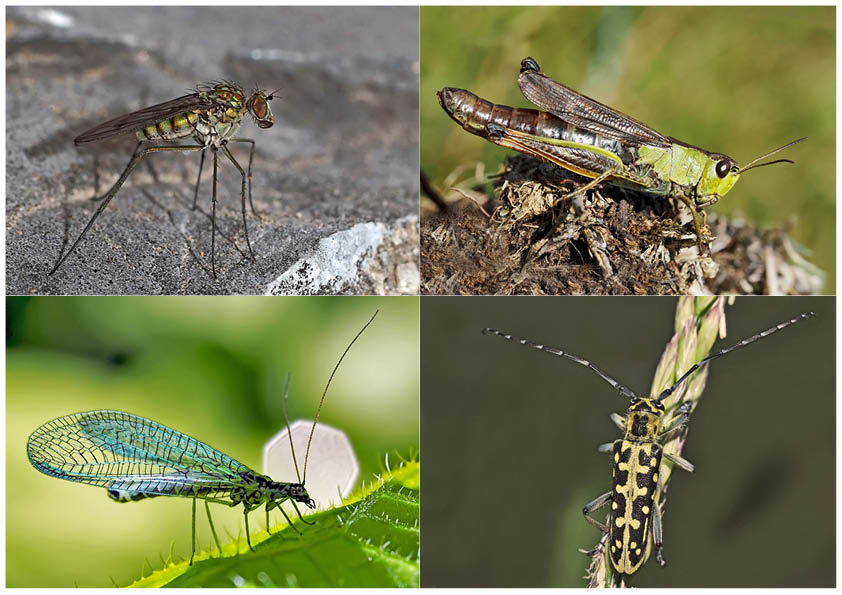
(324, 394)
(668, 391)
(617, 386)
(271, 95)
(289, 432)
(751, 164)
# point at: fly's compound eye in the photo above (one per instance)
(259, 107)
(722, 168)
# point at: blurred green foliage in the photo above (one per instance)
(211, 367)
(737, 80)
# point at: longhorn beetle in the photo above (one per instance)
(637, 460)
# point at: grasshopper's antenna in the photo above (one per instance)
(751, 164)
(668, 391)
(289, 432)
(324, 394)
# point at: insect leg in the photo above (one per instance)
(193, 542)
(198, 179)
(227, 152)
(679, 422)
(680, 462)
(289, 520)
(213, 234)
(697, 223)
(246, 515)
(596, 504)
(97, 195)
(136, 158)
(619, 421)
(298, 512)
(658, 534)
(251, 158)
(210, 522)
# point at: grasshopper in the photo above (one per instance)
(591, 139)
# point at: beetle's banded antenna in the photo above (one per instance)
(668, 391)
(627, 392)
(324, 394)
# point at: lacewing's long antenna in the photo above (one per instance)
(617, 386)
(324, 394)
(289, 431)
(668, 391)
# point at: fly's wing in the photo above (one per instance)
(142, 118)
(131, 455)
(583, 111)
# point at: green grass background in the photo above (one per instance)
(741, 81)
(211, 367)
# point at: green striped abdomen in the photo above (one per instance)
(180, 126)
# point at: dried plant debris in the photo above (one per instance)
(533, 238)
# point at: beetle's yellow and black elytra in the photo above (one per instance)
(637, 461)
(634, 523)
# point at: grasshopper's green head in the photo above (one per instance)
(721, 173)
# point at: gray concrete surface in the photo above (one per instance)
(340, 165)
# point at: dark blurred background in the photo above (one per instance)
(740, 81)
(510, 439)
(213, 368)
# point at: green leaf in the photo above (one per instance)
(372, 540)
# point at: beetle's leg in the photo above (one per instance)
(596, 504)
(658, 535)
(678, 422)
(619, 421)
(680, 462)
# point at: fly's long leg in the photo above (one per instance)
(213, 238)
(97, 196)
(136, 158)
(198, 180)
(227, 152)
(251, 158)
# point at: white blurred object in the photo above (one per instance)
(333, 468)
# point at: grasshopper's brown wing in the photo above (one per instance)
(142, 118)
(583, 111)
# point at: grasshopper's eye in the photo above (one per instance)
(722, 168)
